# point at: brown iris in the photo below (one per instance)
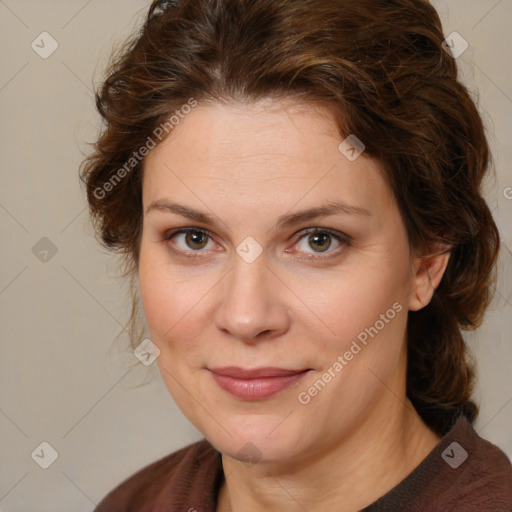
(321, 241)
(196, 239)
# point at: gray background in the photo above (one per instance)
(64, 378)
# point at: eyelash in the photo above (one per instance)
(340, 237)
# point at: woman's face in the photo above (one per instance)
(252, 287)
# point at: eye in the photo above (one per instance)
(321, 240)
(192, 239)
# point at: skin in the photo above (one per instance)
(246, 165)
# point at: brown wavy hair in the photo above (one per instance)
(381, 66)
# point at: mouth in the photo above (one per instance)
(257, 383)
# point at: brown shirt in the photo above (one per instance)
(463, 473)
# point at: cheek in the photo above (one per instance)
(366, 316)
(345, 304)
(174, 304)
(164, 298)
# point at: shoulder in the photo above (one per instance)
(177, 480)
(483, 481)
(463, 473)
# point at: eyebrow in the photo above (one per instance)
(329, 208)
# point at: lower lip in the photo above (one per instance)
(256, 389)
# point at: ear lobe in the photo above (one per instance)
(427, 272)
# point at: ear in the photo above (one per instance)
(426, 274)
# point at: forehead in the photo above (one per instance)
(262, 131)
(272, 150)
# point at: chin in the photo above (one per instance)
(257, 438)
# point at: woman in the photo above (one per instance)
(295, 187)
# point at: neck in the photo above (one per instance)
(348, 476)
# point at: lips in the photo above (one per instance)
(242, 373)
(255, 384)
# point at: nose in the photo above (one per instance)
(251, 307)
